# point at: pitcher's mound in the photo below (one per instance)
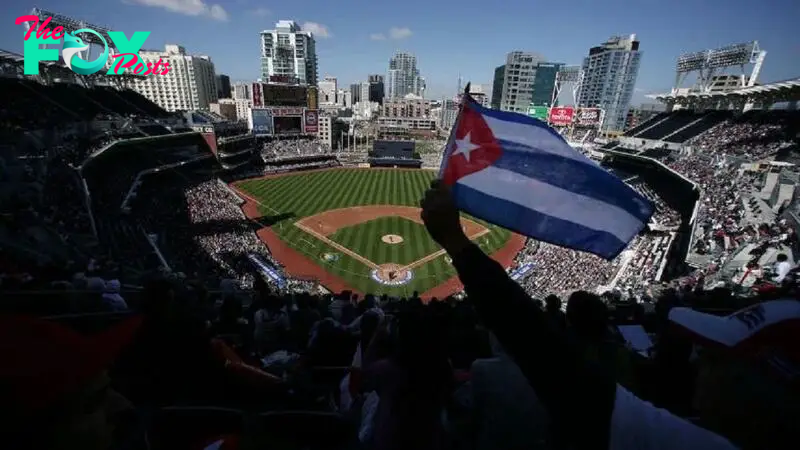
(392, 239)
(392, 274)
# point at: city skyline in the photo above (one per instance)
(352, 46)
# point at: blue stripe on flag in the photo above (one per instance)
(588, 180)
(533, 223)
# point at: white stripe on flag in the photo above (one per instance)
(554, 201)
(533, 136)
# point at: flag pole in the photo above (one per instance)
(452, 135)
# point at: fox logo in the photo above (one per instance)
(74, 45)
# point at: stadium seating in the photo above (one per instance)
(149, 207)
(672, 123)
(699, 126)
(646, 124)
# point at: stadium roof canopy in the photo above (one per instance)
(8, 56)
(788, 90)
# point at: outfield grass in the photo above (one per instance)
(301, 195)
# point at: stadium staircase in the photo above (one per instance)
(141, 102)
(655, 120)
(674, 122)
(34, 89)
(79, 92)
(697, 127)
(112, 101)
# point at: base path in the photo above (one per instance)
(337, 246)
(504, 256)
(435, 255)
(302, 266)
(328, 222)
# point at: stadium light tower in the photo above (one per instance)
(708, 63)
(71, 24)
(568, 75)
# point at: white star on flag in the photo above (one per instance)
(465, 146)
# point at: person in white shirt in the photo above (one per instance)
(782, 267)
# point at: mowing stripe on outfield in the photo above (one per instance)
(309, 193)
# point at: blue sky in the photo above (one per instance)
(449, 37)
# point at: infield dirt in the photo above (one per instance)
(303, 267)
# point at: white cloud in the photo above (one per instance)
(399, 32)
(377, 37)
(319, 30)
(260, 12)
(186, 7)
(218, 13)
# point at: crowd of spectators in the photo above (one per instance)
(753, 136)
(223, 231)
(391, 373)
(290, 148)
(275, 166)
(559, 270)
(714, 165)
(664, 216)
(649, 253)
(191, 367)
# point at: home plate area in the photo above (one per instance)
(392, 274)
(389, 240)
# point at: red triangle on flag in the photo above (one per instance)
(473, 148)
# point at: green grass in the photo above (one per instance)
(365, 239)
(301, 195)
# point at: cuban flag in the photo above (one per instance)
(515, 171)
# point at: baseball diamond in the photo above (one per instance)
(370, 218)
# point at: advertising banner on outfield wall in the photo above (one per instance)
(261, 122)
(311, 122)
(538, 112)
(561, 115)
(589, 116)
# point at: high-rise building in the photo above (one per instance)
(448, 113)
(226, 108)
(241, 91)
(525, 79)
(497, 86)
(403, 77)
(609, 76)
(543, 83)
(223, 86)
(410, 106)
(355, 92)
(376, 88)
(478, 93)
(519, 82)
(345, 98)
(328, 90)
(288, 54)
(190, 83)
(360, 92)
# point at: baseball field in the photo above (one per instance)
(360, 229)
